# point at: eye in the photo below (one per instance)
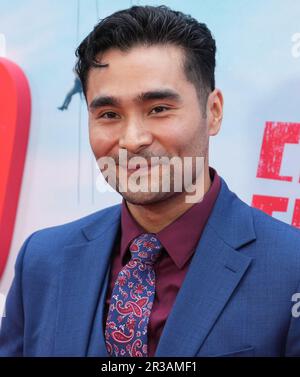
(109, 115)
(160, 109)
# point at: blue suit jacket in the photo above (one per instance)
(235, 299)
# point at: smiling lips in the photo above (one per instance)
(140, 168)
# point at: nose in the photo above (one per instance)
(135, 137)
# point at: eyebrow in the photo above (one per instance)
(168, 94)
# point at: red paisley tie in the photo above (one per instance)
(132, 300)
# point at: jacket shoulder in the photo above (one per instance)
(69, 230)
(266, 224)
(46, 244)
(277, 243)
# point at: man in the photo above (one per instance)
(158, 275)
(76, 88)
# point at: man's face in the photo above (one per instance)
(151, 125)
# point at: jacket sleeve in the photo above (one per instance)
(293, 339)
(12, 322)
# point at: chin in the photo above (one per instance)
(145, 198)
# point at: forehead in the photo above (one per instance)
(139, 69)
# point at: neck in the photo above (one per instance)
(155, 217)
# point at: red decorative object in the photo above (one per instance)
(15, 109)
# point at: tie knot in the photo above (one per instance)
(146, 248)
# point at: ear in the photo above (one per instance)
(214, 111)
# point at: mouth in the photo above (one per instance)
(141, 168)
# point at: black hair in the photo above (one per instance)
(153, 25)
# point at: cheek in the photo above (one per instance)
(182, 136)
(188, 138)
(100, 143)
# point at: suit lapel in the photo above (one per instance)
(214, 273)
(83, 277)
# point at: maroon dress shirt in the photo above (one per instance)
(179, 239)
